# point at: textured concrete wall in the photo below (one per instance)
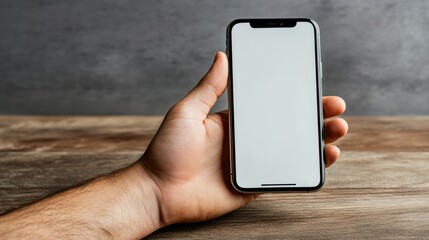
(139, 57)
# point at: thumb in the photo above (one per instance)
(204, 95)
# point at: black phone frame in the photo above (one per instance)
(277, 23)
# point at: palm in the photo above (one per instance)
(192, 177)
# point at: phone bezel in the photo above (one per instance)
(279, 23)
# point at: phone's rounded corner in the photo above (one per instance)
(232, 24)
(310, 20)
(313, 23)
(237, 187)
(319, 186)
(235, 21)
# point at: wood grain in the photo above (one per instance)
(379, 189)
(90, 134)
(387, 133)
(330, 214)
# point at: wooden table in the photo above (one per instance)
(379, 189)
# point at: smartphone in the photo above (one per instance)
(275, 105)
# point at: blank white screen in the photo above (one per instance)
(275, 106)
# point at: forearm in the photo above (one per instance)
(123, 205)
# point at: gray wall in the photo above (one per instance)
(139, 57)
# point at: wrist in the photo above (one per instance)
(141, 209)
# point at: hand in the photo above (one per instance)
(182, 177)
(188, 159)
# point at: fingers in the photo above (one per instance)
(204, 95)
(335, 128)
(333, 106)
(332, 153)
